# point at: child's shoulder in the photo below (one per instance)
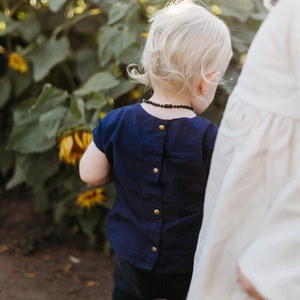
(119, 112)
(203, 122)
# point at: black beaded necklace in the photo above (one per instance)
(168, 105)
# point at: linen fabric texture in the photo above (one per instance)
(252, 208)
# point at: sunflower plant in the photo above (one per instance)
(63, 68)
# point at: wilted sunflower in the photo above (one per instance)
(72, 147)
(90, 198)
(17, 63)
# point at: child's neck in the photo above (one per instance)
(168, 113)
(163, 97)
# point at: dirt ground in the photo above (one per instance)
(49, 272)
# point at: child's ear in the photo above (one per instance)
(210, 79)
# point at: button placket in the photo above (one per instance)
(156, 211)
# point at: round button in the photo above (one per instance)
(161, 127)
(156, 212)
(155, 170)
(154, 249)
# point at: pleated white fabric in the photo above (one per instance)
(252, 204)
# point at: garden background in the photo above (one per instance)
(62, 69)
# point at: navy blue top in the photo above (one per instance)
(160, 169)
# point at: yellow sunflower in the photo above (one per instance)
(90, 198)
(17, 63)
(217, 10)
(72, 147)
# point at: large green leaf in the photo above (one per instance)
(98, 82)
(39, 167)
(50, 97)
(22, 115)
(117, 12)
(50, 121)
(29, 138)
(76, 108)
(130, 55)
(123, 88)
(17, 178)
(21, 81)
(29, 27)
(107, 35)
(86, 63)
(56, 5)
(49, 54)
(95, 101)
(113, 42)
(7, 25)
(239, 9)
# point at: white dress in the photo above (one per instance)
(252, 205)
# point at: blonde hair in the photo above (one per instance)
(185, 40)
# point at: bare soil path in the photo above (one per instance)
(52, 272)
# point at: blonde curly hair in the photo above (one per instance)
(185, 40)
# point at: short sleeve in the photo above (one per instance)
(104, 133)
(209, 139)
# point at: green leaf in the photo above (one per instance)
(113, 42)
(49, 122)
(49, 54)
(117, 12)
(29, 27)
(17, 179)
(86, 63)
(131, 55)
(124, 87)
(5, 88)
(239, 9)
(31, 169)
(33, 166)
(21, 81)
(75, 110)
(49, 98)
(98, 82)
(107, 35)
(124, 40)
(56, 5)
(95, 101)
(29, 138)
(22, 114)
(7, 25)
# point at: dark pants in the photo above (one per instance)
(132, 283)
